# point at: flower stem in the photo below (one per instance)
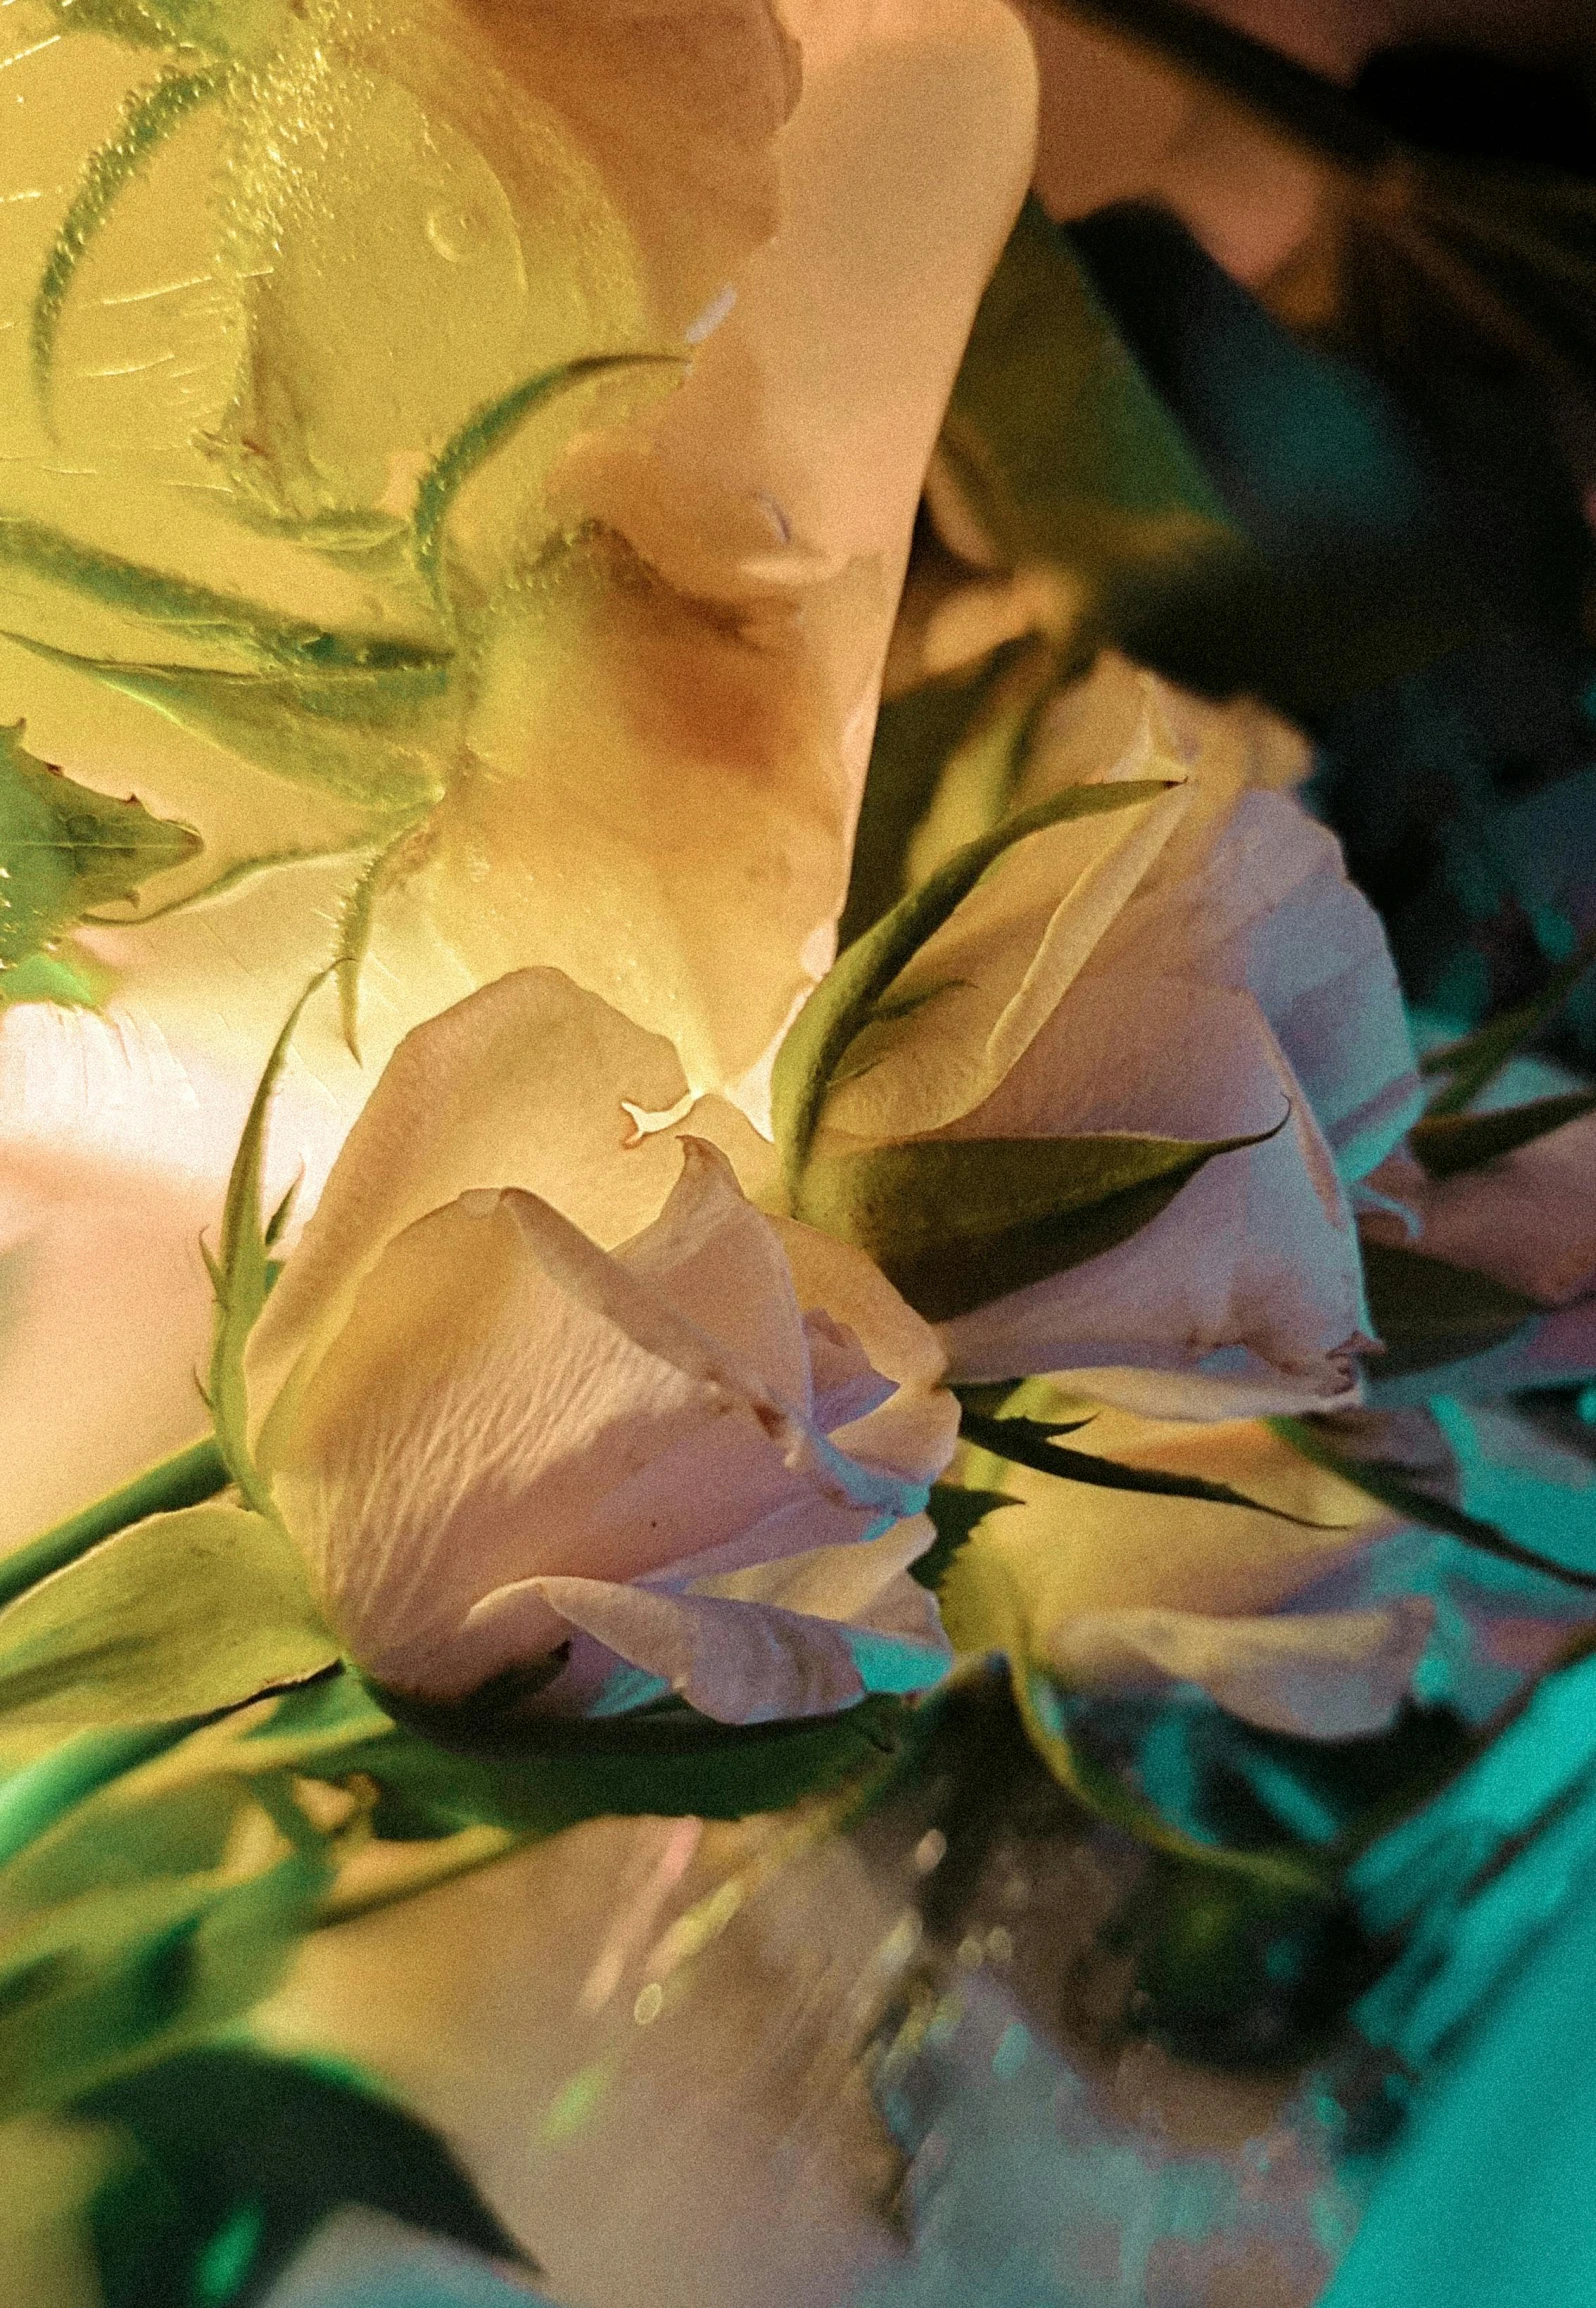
(195, 1474)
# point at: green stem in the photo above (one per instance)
(196, 1474)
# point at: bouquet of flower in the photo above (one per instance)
(796, 1488)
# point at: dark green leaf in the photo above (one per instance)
(958, 1222)
(1028, 1442)
(1429, 1312)
(956, 1512)
(65, 849)
(842, 1004)
(536, 1776)
(1060, 448)
(233, 2156)
(1449, 1143)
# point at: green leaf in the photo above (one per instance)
(110, 1981)
(1028, 1442)
(488, 428)
(1450, 1143)
(1061, 449)
(184, 1481)
(1395, 1488)
(232, 2157)
(242, 1275)
(149, 117)
(184, 1614)
(842, 1004)
(957, 1222)
(957, 1513)
(65, 849)
(1478, 1058)
(1429, 1312)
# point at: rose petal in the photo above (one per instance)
(518, 1085)
(737, 1662)
(1325, 1675)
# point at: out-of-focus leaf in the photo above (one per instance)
(231, 2157)
(182, 1614)
(984, 1612)
(1058, 447)
(1448, 1144)
(109, 1981)
(1473, 1063)
(841, 1005)
(65, 849)
(958, 1222)
(1396, 1489)
(915, 734)
(1429, 1312)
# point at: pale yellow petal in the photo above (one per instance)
(1323, 1675)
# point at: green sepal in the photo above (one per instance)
(264, 643)
(149, 116)
(957, 1512)
(955, 1223)
(534, 1776)
(1395, 1489)
(1429, 1312)
(1448, 1143)
(371, 739)
(242, 1273)
(488, 428)
(65, 849)
(842, 1004)
(183, 1614)
(230, 2158)
(1028, 1442)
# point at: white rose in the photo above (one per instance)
(701, 1455)
(1194, 968)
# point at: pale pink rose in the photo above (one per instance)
(701, 1454)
